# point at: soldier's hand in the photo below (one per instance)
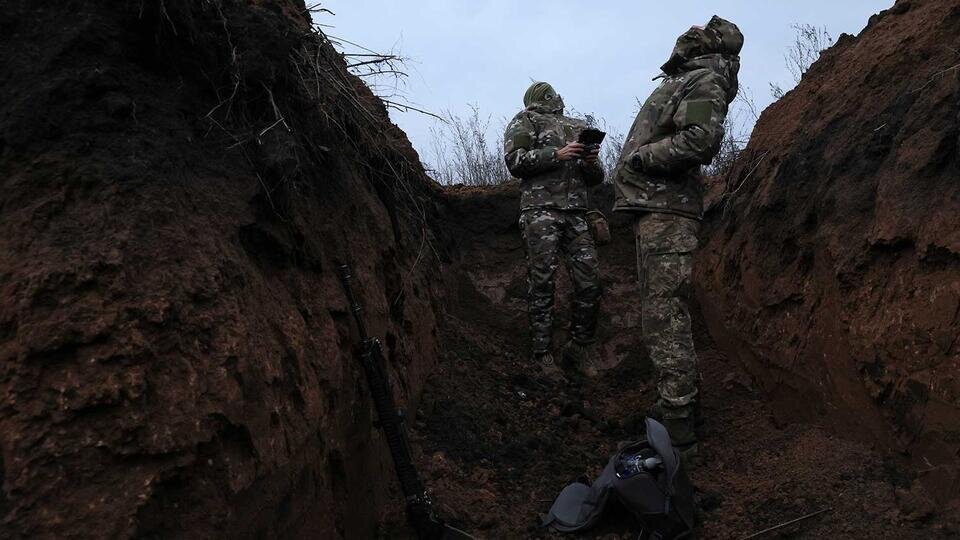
(592, 155)
(571, 151)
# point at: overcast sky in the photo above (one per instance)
(600, 55)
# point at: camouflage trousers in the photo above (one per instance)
(549, 234)
(665, 245)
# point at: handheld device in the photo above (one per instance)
(591, 137)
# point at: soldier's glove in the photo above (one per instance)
(636, 162)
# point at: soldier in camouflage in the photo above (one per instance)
(540, 149)
(678, 129)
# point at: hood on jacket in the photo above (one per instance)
(726, 65)
(719, 37)
(541, 97)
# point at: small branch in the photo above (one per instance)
(381, 60)
(749, 174)
(236, 85)
(331, 38)
(407, 108)
(361, 55)
(934, 77)
(383, 72)
(268, 128)
(163, 10)
(239, 142)
(266, 191)
(951, 68)
(317, 9)
(782, 525)
(276, 111)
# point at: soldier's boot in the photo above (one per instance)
(683, 434)
(682, 425)
(577, 360)
(547, 368)
(698, 413)
(656, 412)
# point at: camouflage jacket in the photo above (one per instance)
(678, 129)
(530, 147)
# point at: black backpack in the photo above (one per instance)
(646, 477)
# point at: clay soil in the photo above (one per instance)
(498, 445)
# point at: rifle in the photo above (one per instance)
(419, 506)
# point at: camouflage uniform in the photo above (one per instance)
(553, 206)
(678, 129)
(665, 245)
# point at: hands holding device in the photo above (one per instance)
(572, 150)
(587, 147)
(591, 139)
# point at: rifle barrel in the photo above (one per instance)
(346, 276)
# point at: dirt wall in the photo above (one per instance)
(831, 260)
(487, 274)
(179, 179)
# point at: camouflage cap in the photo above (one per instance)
(541, 96)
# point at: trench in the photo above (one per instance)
(496, 443)
(178, 356)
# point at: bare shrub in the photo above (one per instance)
(384, 73)
(809, 41)
(737, 125)
(610, 153)
(463, 152)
